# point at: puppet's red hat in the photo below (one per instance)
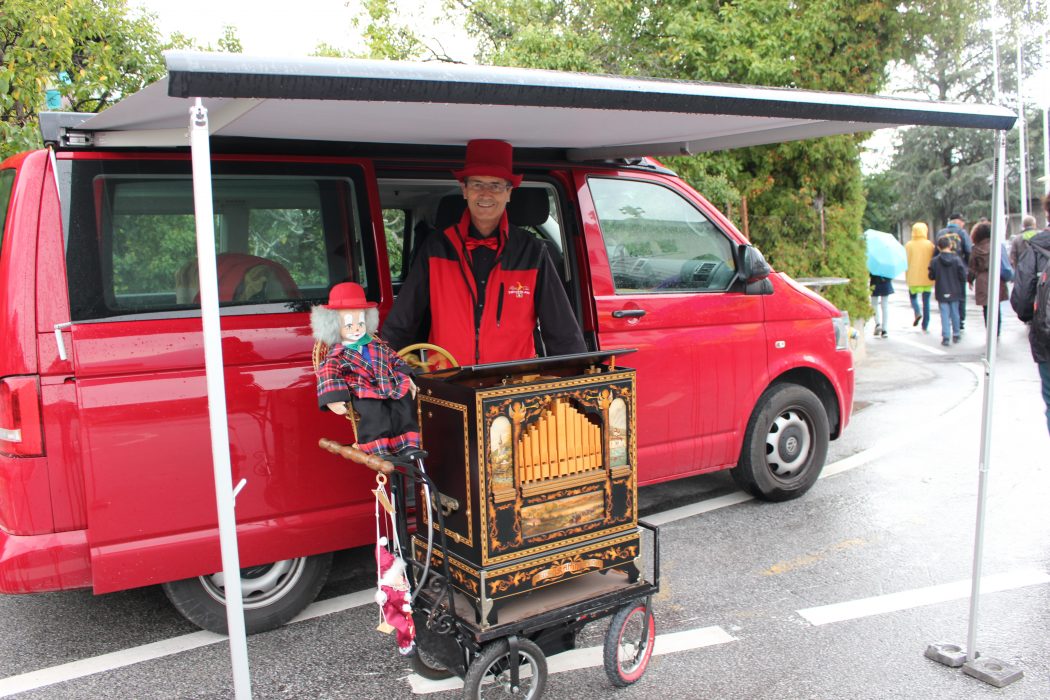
(489, 157)
(348, 295)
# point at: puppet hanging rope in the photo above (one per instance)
(392, 594)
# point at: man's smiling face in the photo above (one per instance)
(487, 199)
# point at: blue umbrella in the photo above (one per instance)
(886, 257)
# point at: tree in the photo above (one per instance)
(816, 44)
(880, 200)
(940, 171)
(91, 51)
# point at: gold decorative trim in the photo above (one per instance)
(581, 551)
(561, 483)
(609, 556)
(570, 567)
(617, 375)
(467, 539)
(437, 552)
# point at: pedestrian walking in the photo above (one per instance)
(949, 275)
(881, 288)
(1019, 242)
(961, 245)
(978, 276)
(920, 252)
(1031, 286)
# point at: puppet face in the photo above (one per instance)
(353, 326)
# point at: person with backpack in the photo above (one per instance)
(1030, 299)
(949, 275)
(961, 244)
(1020, 241)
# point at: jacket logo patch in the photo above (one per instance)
(518, 290)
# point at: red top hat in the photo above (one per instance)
(348, 295)
(489, 157)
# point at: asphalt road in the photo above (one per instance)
(834, 595)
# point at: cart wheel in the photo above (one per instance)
(629, 644)
(427, 666)
(489, 674)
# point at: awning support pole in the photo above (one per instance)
(990, 670)
(200, 150)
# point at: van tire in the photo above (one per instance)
(785, 445)
(273, 594)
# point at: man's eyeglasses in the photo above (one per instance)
(493, 187)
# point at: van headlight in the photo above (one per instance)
(842, 330)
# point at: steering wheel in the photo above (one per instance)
(416, 356)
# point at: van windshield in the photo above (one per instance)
(281, 238)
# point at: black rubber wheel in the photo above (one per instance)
(785, 445)
(489, 674)
(427, 667)
(272, 593)
(628, 644)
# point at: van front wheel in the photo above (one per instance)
(272, 593)
(785, 445)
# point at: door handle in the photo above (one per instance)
(628, 313)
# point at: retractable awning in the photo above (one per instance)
(587, 117)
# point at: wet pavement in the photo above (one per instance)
(833, 595)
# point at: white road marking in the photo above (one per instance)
(106, 662)
(156, 650)
(919, 346)
(904, 600)
(688, 511)
(592, 656)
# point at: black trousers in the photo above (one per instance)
(384, 418)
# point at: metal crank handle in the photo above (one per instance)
(355, 455)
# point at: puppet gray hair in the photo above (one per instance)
(327, 324)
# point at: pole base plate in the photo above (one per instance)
(951, 655)
(993, 671)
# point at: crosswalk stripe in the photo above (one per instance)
(903, 600)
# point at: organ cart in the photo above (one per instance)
(526, 523)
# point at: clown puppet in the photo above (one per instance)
(363, 370)
(394, 598)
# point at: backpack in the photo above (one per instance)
(1040, 324)
(952, 237)
(1006, 270)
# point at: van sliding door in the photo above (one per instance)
(286, 232)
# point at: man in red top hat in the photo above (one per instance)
(363, 370)
(485, 285)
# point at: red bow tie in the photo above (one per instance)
(491, 242)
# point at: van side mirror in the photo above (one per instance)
(753, 271)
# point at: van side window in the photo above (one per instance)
(657, 241)
(394, 223)
(7, 181)
(414, 209)
(282, 238)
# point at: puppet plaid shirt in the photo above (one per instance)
(373, 372)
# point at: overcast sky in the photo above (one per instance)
(296, 28)
(289, 28)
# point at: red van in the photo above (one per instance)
(105, 463)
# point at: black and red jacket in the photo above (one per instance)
(523, 288)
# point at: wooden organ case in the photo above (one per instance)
(540, 457)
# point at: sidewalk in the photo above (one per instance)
(900, 328)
